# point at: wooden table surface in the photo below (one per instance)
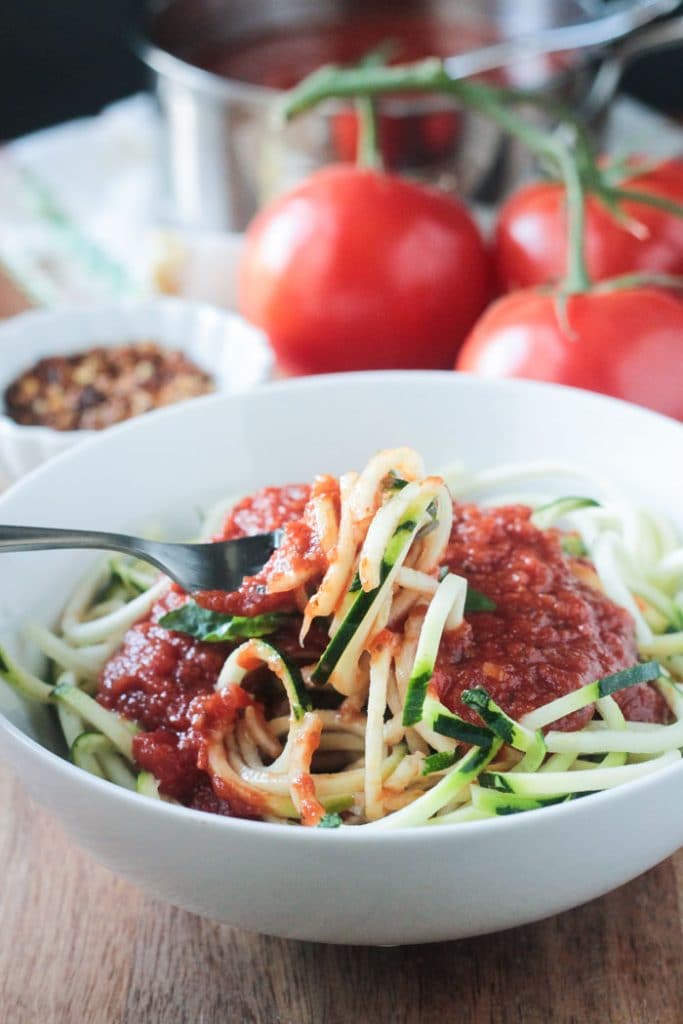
(79, 945)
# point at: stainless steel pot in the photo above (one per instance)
(224, 157)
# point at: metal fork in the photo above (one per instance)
(219, 566)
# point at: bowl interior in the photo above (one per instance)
(163, 470)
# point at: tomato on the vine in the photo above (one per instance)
(357, 269)
(531, 232)
(621, 341)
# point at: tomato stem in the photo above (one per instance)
(431, 76)
(368, 152)
(669, 281)
(369, 148)
(576, 278)
(649, 198)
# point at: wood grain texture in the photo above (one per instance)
(78, 944)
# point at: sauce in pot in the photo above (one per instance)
(280, 59)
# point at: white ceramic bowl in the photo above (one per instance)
(335, 886)
(234, 352)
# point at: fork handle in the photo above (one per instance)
(39, 538)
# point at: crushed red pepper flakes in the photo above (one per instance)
(94, 389)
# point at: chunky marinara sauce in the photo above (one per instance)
(551, 632)
(158, 678)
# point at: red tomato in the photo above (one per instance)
(626, 343)
(355, 269)
(531, 238)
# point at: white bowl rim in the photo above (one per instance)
(131, 304)
(352, 834)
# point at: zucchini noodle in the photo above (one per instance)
(368, 740)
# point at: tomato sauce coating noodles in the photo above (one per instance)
(405, 657)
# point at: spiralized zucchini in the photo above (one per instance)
(402, 758)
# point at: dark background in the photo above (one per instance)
(66, 58)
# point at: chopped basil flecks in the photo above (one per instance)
(478, 602)
(330, 821)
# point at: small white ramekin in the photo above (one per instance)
(236, 355)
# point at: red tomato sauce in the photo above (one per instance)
(160, 679)
(550, 632)
(280, 59)
(412, 132)
(270, 509)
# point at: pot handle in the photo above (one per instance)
(606, 82)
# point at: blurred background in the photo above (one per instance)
(66, 58)
(138, 139)
(138, 142)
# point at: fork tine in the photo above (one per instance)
(251, 554)
(222, 565)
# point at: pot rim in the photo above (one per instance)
(170, 66)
